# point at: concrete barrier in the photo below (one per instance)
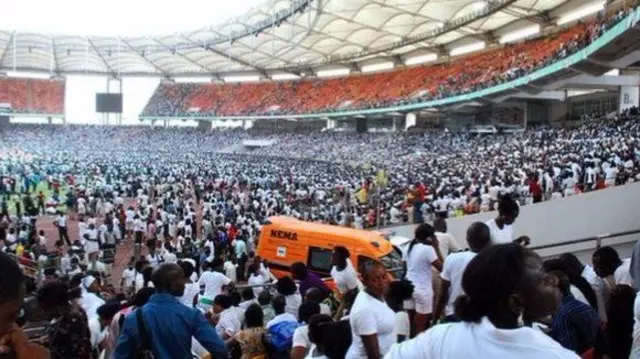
(602, 212)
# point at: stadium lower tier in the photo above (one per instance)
(32, 96)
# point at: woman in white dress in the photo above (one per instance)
(504, 285)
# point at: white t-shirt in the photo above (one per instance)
(346, 279)
(598, 286)
(256, 280)
(293, 302)
(301, 337)
(480, 341)
(228, 323)
(499, 236)
(403, 327)
(622, 275)
(452, 270)
(190, 291)
(230, 270)
(97, 333)
(213, 283)
(370, 316)
(447, 244)
(419, 261)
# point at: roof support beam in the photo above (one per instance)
(238, 60)
(54, 56)
(104, 61)
(208, 70)
(127, 44)
(6, 48)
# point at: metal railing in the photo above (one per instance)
(598, 239)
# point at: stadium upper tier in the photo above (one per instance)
(32, 96)
(406, 86)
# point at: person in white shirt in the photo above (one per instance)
(503, 285)
(478, 237)
(230, 269)
(128, 276)
(373, 323)
(90, 301)
(213, 283)
(279, 303)
(255, 278)
(301, 343)
(422, 253)
(501, 227)
(607, 263)
(446, 242)
(344, 275)
(99, 325)
(61, 224)
(288, 288)
(191, 289)
(228, 323)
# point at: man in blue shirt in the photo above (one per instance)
(169, 324)
(575, 325)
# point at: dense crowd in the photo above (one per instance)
(33, 95)
(184, 299)
(407, 86)
(359, 180)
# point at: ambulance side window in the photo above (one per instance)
(319, 260)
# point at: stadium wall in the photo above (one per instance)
(590, 214)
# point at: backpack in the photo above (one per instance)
(280, 336)
(143, 351)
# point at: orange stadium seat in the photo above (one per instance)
(407, 85)
(33, 95)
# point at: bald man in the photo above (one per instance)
(478, 238)
(169, 324)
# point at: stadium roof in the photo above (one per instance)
(286, 36)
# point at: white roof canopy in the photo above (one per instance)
(295, 36)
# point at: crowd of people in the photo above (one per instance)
(407, 86)
(33, 96)
(186, 297)
(358, 180)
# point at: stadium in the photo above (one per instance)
(207, 181)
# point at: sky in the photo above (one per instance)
(115, 18)
(119, 17)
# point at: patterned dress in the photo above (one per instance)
(68, 336)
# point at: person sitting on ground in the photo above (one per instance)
(504, 286)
